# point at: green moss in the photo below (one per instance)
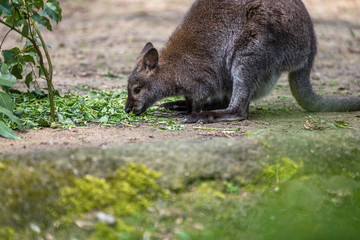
(273, 175)
(7, 233)
(29, 194)
(282, 171)
(128, 192)
(2, 166)
(210, 189)
(121, 231)
(56, 200)
(87, 194)
(131, 189)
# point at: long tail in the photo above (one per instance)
(309, 100)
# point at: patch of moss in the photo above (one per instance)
(86, 194)
(282, 171)
(121, 230)
(29, 195)
(273, 175)
(131, 189)
(2, 166)
(43, 200)
(7, 233)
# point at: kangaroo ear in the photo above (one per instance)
(151, 59)
(147, 47)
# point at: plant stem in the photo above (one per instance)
(12, 27)
(48, 74)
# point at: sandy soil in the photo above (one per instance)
(105, 36)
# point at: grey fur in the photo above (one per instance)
(228, 52)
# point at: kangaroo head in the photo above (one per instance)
(142, 87)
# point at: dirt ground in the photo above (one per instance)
(104, 36)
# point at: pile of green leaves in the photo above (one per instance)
(73, 110)
(25, 17)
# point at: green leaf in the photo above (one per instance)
(104, 119)
(39, 92)
(43, 123)
(5, 7)
(29, 48)
(29, 59)
(7, 80)
(12, 117)
(43, 21)
(17, 71)
(10, 55)
(93, 95)
(28, 79)
(25, 30)
(53, 10)
(4, 69)
(5, 101)
(39, 4)
(6, 132)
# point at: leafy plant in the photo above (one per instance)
(26, 17)
(73, 110)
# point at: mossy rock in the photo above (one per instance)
(241, 188)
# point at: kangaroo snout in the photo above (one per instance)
(129, 106)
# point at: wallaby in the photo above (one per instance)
(226, 53)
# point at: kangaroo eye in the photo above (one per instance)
(137, 90)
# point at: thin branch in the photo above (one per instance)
(46, 73)
(2, 42)
(28, 19)
(12, 27)
(43, 44)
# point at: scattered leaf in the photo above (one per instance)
(251, 133)
(311, 126)
(341, 124)
(7, 132)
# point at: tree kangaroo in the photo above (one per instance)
(226, 53)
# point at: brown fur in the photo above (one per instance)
(228, 52)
